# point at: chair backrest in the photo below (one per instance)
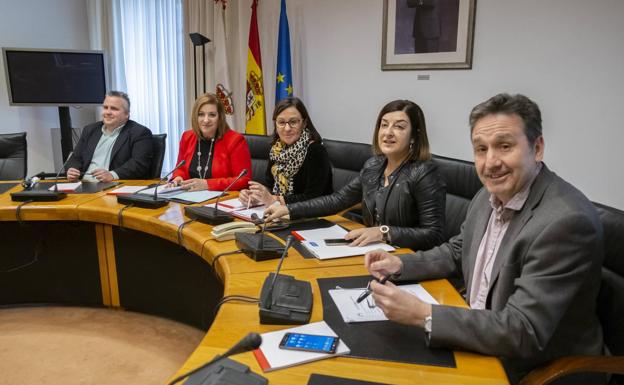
(159, 142)
(13, 156)
(611, 297)
(347, 159)
(259, 147)
(462, 183)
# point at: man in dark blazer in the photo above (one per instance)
(530, 252)
(114, 148)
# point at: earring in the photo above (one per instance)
(411, 145)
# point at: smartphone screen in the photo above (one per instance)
(336, 242)
(309, 343)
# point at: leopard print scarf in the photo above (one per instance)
(286, 162)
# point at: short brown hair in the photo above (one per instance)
(508, 104)
(420, 150)
(209, 98)
(298, 104)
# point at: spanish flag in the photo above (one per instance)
(256, 122)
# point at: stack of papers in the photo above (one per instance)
(176, 193)
(271, 357)
(367, 310)
(314, 241)
(238, 209)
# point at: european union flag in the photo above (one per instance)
(283, 84)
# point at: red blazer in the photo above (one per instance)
(231, 156)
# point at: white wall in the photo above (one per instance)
(567, 55)
(40, 24)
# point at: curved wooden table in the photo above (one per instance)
(164, 280)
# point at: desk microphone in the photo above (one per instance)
(44, 195)
(283, 299)
(148, 201)
(228, 373)
(212, 215)
(259, 247)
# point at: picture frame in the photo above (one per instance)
(427, 34)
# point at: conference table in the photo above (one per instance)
(89, 250)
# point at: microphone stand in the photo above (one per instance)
(228, 371)
(148, 201)
(212, 215)
(45, 195)
(258, 247)
(283, 299)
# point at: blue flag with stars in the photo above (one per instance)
(283, 84)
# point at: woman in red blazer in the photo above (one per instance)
(215, 154)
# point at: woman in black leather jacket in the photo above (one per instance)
(402, 193)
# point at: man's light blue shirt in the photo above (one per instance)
(102, 154)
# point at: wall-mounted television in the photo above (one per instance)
(55, 77)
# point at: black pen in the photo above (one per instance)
(368, 290)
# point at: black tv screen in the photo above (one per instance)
(58, 77)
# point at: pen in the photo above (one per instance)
(248, 201)
(368, 290)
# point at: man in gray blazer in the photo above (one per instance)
(530, 252)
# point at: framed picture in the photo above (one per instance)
(427, 34)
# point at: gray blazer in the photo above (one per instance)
(541, 304)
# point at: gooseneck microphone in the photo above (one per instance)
(148, 201)
(283, 299)
(43, 195)
(212, 215)
(250, 342)
(289, 241)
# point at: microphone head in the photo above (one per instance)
(182, 162)
(289, 241)
(244, 172)
(254, 340)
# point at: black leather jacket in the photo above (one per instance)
(414, 210)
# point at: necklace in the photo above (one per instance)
(199, 167)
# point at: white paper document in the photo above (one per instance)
(66, 187)
(240, 211)
(125, 190)
(196, 196)
(271, 357)
(314, 241)
(366, 311)
(162, 190)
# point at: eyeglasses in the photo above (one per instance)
(293, 123)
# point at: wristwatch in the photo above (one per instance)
(428, 324)
(385, 233)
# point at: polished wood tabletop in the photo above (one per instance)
(243, 276)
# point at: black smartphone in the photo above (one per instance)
(336, 242)
(309, 343)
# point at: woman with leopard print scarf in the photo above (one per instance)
(299, 168)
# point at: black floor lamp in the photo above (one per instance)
(199, 40)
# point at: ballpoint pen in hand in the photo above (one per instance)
(368, 290)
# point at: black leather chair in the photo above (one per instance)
(462, 183)
(347, 159)
(259, 147)
(13, 156)
(610, 311)
(160, 144)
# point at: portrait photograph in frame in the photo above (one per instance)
(427, 34)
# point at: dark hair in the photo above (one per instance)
(209, 98)
(298, 104)
(507, 104)
(120, 94)
(420, 150)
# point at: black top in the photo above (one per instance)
(313, 179)
(413, 209)
(204, 145)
